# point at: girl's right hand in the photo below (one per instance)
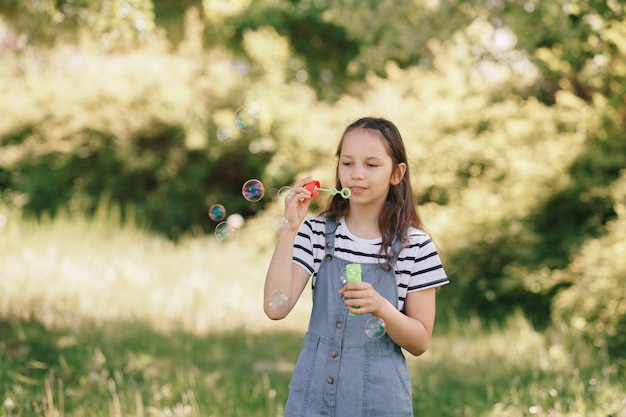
(297, 203)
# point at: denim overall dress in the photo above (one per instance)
(340, 371)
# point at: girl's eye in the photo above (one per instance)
(372, 165)
(345, 164)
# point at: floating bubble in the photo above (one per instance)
(343, 277)
(224, 232)
(284, 192)
(253, 190)
(217, 212)
(278, 300)
(225, 133)
(278, 223)
(375, 328)
(247, 118)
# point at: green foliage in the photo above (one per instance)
(595, 304)
(321, 49)
(336, 43)
(512, 112)
(111, 26)
(113, 320)
(127, 368)
(579, 46)
(129, 138)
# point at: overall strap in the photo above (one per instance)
(329, 238)
(329, 246)
(396, 247)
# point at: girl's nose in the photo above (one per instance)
(357, 173)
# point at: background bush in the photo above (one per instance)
(595, 305)
(515, 135)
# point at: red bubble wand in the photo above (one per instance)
(314, 188)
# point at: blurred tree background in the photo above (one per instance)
(513, 112)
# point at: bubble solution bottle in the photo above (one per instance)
(353, 274)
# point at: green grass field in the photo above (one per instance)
(98, 319)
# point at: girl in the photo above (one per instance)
(340, 371)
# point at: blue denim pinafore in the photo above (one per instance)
(340, 371)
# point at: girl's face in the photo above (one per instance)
(366, 167)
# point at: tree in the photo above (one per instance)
(109, 26)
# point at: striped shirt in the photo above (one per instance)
(418, 266)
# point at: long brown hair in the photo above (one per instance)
(400, 208)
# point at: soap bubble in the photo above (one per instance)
(278, 300)
(278, 223)
(217, 212)
(375, 328)
(253, 190)
(225, 133)
(283, 192)
(343, 277)
(247, 117)
(224, 232)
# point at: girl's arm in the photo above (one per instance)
(412, 330)
(283, 275)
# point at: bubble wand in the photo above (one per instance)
(314, 188)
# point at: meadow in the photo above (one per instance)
(100, 318)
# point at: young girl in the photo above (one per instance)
(341, 371)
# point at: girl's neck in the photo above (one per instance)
(363, 224)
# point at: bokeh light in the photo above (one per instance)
(253, 105)
(236, 221)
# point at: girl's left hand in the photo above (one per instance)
(360, 297)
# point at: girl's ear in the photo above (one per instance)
(398, 174)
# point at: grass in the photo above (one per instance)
(98, 319)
